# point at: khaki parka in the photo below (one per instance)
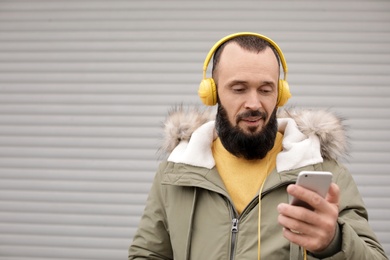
(189, 214)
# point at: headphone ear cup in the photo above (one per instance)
(208, 92)
(283, 93)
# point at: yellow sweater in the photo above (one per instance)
(243, 178)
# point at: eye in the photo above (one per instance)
(266, 89)
(238, 88)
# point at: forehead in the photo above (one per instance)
(234, 57)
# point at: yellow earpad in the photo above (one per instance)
(283, 93)
(208, 92)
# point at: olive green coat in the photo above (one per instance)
(189, 214)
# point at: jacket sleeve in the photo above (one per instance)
(358, 241)
(152, 240)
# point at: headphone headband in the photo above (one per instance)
(234, 35)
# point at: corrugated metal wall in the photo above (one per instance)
(85, 85)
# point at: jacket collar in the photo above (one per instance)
(309, 137)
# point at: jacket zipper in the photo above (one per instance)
(235, 219)
(234, 237)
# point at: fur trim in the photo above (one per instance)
(182, 122)
(328, 127)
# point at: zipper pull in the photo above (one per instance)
(235, 225)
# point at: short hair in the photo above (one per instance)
(247, 42)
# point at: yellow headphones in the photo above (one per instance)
(208, 90)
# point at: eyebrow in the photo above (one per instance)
(237, 81)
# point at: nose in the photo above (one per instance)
(252, 101)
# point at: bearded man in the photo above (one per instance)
(223, 192)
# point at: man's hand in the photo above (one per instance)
(313, 230)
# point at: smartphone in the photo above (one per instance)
(316, 181)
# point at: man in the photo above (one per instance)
(223, 192)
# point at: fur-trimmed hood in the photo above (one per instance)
(181, 123)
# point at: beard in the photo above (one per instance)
(252, 145)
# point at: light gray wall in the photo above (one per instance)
(85, 85)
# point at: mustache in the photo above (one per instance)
(252, 113)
